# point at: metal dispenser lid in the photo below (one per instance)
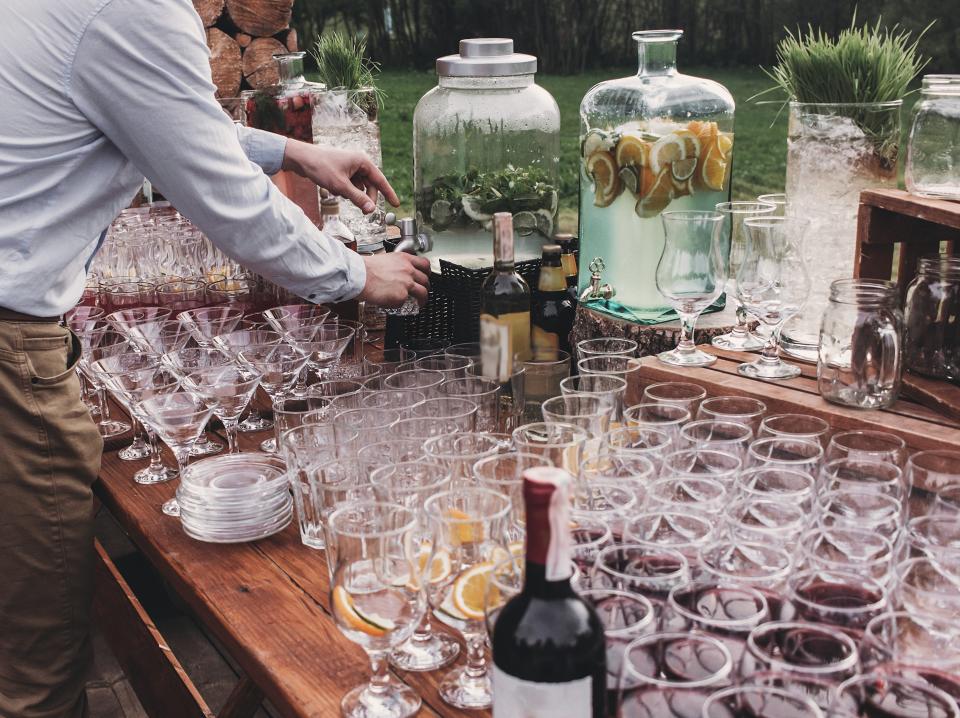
(486, 57)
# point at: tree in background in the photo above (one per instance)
(569, 36)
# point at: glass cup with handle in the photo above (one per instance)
(691, 275)
(772, 285)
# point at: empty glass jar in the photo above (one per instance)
(933, 151)
(860, 344)
(932, 336)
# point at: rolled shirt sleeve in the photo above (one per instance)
(264, 149)
(141, 75)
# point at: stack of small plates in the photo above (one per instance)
(235, 498)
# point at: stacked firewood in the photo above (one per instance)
(243, 36)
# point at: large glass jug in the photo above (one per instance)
(654, 141)
(485, 140)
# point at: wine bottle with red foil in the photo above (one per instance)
(549, 653)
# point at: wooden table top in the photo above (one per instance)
(267, 601)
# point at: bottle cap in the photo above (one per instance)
(551, 249)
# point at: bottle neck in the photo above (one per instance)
(549, 545)
(503, 254)
(656, 58)
(536, 583)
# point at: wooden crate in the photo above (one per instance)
(921, 428)
(888, 218)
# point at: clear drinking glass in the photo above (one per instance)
(95, 345)
(796, 454)
(837, 598)
(536, 380)
(620, 366)
(740, 338)
(452, 409)
(764, 520)
(504, 473)
(371, 425)
(898, 637)
(778, 200)
(606, 346)
(236, 342)
(683, 493)
(647, 441)
(884, 694)
(691, 276)
(854, 474)
(927, 591)
(759, 701)
(683, 532)
(727, 436)
(772, 285)
(706, 463)
(680, 393)
(562, 444)
(485, 393)
(758, 565)
(861, 509)
(321, 344)
(850, 550)
(796, 426)
(668, 418)
(643, 568)
(471, 526)
(589, 412)
(611, 390)
(740, 409)
(932, 470)
(452, 367)
(425, 380)
(778, 484)
(376, 591)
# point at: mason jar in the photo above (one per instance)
(860, 344)
(932, 335)
(933, 150)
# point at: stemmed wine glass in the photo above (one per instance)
(208, 322)
(160, 337)
(772, 285)
(740, 338)
(376, 589)
(288, 317)
(471, 526)
(691, 275)
(227, 390)
(183, 361)
(178, 418)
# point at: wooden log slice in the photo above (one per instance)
(291, 42)
(209, 10)
(225, 64)
(259, 67)
(260, 18)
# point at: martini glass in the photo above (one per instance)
(234, 342)
(279, 366)
(159, 337)
(133, 387)
(124, 319)
(207, 322)
(95, 345)
(288, 317)
(227, 390)
(120, 364)
(321, 345)
(190, 359)
(178, 418)
(79, 320)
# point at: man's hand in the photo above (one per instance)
(393, 277)
(347, 174)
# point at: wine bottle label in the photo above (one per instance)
(544, 343)
(500, 338)
(516, 698)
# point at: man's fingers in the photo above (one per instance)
(421, 263)
(421, 278)
(358, 197)
(379, 182)
(419, 292)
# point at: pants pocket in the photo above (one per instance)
(51, 360)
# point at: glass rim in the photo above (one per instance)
(886, 471)
(705, 451)
(588, 392)
(831, 564)
(720, 623)
(495, 458)
(872, 634)
(431, 505)
(760, 207)
(719, 675)
(846, 578)
(765, 423)
(886, 679)
(646, 546)
(768, 221)
(886, 105)
(375, 477)
(850, 660)
(698, 393)
(383, 509)
(915, 459)
(637, 598)
(783, 572)
(816, 455)
(746, 433)
(649, 36)
(813, 710)
(901, 569)
(704, 215)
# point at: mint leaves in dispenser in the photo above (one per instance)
(486, 140)
(652, 142)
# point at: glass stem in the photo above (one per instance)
(182, 453)
(741, 328)
(476, 656)
(230, 427)
(770, 355)
(102, 403)
(301, 386)
(379, 673)
(424, 631)
(687, 323)
(156, 463)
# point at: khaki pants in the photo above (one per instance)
(49, 457)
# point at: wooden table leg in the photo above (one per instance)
(244, 700)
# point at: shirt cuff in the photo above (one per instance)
(356, 279)
(265, 149)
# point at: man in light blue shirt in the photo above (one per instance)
(97, 94)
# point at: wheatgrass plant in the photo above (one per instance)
(342, 63)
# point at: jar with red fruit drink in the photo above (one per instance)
(287, 109)
(655, 141)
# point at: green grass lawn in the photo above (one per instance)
(759, 151)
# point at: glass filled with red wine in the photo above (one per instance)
(884, 695)
(647, 569)
(685, 532)
(726, 611)
(854, 550)
(759, 701)
(801, 657)
(838, 598)
(671, 675)
(762, 566)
